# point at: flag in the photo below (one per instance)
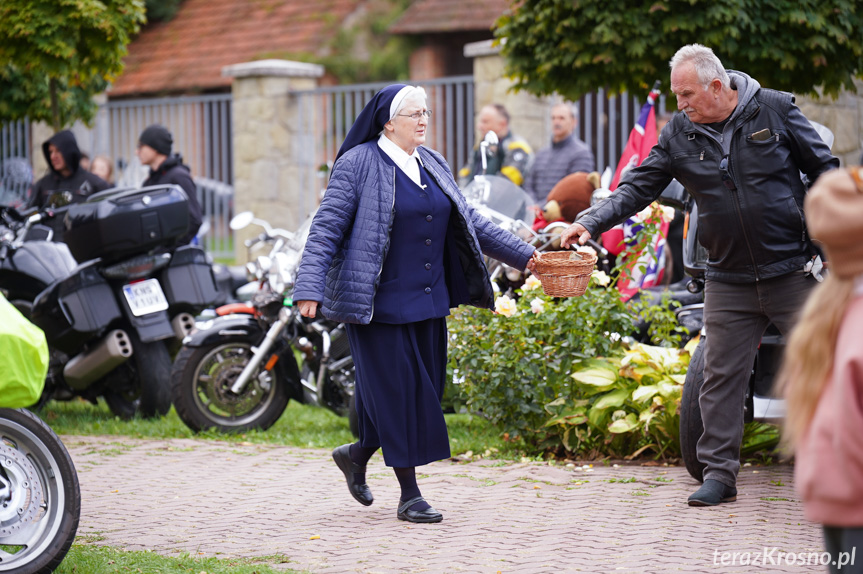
(646, 270)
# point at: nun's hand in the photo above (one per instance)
(308, 308)
(531, 263)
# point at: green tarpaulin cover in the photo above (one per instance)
(23, 358)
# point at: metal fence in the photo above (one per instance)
(605, 122)
(326, 114)
(16, 170)
(201, 127)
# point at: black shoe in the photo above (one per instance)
(427, 515)
(361, 492)
(711, 493)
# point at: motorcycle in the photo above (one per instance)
(29, 258)
(40, 498)
(110, 320)
(239, 370)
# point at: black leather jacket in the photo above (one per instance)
(756, 230)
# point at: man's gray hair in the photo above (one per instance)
(707, 65)
(570, 106)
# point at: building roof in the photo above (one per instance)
(187, 54)
(425, 16)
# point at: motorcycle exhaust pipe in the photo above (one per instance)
(112, 351)
(183, 325)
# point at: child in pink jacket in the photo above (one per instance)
(823, 373)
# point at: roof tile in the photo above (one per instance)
(425, 16)
(189, 52)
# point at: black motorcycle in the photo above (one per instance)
(110, 320)
(29, 258)
(238, 371)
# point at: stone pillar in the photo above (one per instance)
(266, 141)
(844, 117)
(529, 115)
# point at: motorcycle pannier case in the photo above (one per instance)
(188, 281)
(76, 309)
(118, 222)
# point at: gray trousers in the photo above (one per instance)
(735, 317)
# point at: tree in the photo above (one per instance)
(573, 47)
(56, 54)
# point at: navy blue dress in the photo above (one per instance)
(400, 357)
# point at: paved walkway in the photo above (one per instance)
(289, 504)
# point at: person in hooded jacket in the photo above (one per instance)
(154, 151)
(738, 149)
(64, 158)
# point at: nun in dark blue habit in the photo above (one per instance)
(393, 247)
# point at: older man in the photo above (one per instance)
(511, 157)
(567, 154)
(738, 149)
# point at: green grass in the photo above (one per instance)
(91, 559)
(299, 426)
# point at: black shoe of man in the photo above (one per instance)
(711, 493)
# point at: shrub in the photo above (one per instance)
(515, 366)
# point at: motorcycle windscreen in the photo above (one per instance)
(501, 195)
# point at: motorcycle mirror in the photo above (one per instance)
(241, 220)
(491, 138)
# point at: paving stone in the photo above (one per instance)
(240, 500)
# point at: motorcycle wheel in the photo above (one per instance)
(149, 390)
(691, 425)
(201, 389)
(40, 498)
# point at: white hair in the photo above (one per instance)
(408, 93)
(708, 67)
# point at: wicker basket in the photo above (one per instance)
(562, 276)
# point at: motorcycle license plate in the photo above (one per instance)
(145, 297)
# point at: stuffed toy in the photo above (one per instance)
(569, 197)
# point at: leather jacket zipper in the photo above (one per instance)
(738, 208)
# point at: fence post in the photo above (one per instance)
(266, 170)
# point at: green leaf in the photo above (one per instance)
(596, 377)
(626, 424)
(615, 398)
(644, 393)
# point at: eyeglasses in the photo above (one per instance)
(726, 176)
(417, 115)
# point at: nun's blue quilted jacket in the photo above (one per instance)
(349, 238)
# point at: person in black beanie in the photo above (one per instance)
(154, 150)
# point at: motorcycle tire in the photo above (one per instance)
(691, 425)
(201, 389)
(38, 476)
(150, 392)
